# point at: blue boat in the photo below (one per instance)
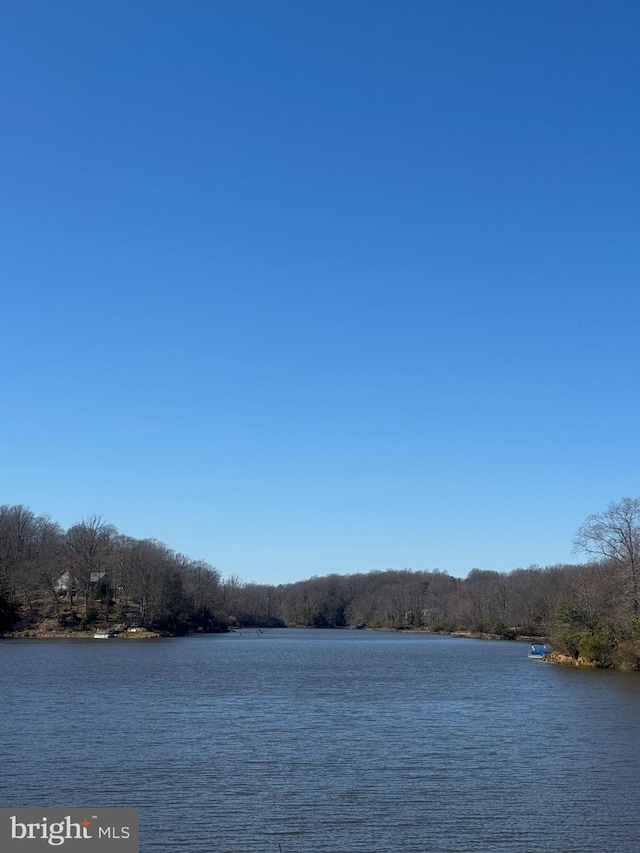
(538, 651)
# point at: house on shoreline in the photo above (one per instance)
(66, 582)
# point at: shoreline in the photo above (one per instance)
(44, 634)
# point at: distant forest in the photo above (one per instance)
(92, 575)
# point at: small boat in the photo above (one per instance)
(103, 634)
(538, 651)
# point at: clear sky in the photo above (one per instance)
(312, 287)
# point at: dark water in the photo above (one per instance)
(325, 742)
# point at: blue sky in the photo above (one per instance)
(311, 287)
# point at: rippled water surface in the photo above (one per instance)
(308, 741)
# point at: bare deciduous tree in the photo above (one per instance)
(90, 545)
(614, 535)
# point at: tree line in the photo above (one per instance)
(586, 610)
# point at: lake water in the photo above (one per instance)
(312, 741)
